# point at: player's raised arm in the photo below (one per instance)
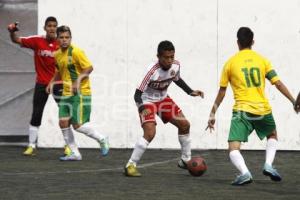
(218, 101)
(182, 84)
(13, 28)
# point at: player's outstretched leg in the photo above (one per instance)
(90, 131)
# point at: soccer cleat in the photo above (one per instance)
(131, 170)
(243, 179)
(268, 170)
(67, 150)
(104, 146)
(71, 157)
(182, 164)
(30, 151)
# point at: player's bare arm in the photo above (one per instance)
(196, 93)
(297, 104)
(182, 84)
(56, 77)
(13, 28)
(283, 89)
(211, 121)
(83, 75)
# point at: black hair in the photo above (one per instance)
(165, 46)
(62, 29)
(50, 19)
(245, 37)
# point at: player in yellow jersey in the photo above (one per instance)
(246, 72)
(73, 68)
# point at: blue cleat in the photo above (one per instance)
(71, 157)
(104, 146)
(243, 179)
(268, 170)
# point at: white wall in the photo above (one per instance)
(121, 36)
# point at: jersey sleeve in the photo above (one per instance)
(177, 76)
(29, 42)
(82, 59)
(271, 74)
(146, 79)
(225, 75)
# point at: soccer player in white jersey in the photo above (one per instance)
(151, 98)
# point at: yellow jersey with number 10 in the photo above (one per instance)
(246, 72)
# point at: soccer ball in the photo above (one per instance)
(196, 166)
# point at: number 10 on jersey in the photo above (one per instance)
(252, 76)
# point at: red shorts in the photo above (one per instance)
(165, 109)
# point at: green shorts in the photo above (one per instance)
(77, 108)
(243, 123)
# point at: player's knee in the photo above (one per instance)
(272, 135)
(234, 145)
(149, 131)
(76, 126)
(64, 124)
(184, 127)
(149, 137)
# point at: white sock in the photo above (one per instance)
(139, 149)
(90, 131)
(185, 142)
(271, 150)
(33, 135)
(238, 161)
(70, 140)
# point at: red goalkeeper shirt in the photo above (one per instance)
(43, 56)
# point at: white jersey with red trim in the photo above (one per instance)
(156, 82)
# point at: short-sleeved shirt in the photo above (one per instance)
(43, 56)
(246, 72)
(156, 81)
(70, 64)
